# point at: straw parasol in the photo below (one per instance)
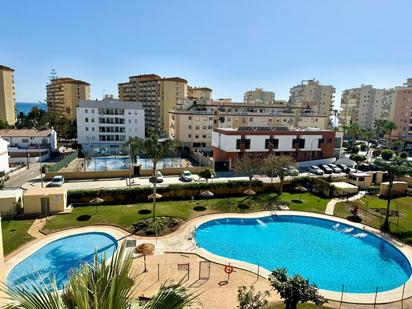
(249, 192)
(151, 196)
(96, 201)
(207, 194)
(145, 249)
(300, 190)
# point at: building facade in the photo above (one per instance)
(193, 122)
(402, 114)
(4, 156)
(366, 104)
(109, 122)
(259, 96)
(158, 96)
(7, 95)
(321, 96)
(306, 146)
(64, 94)
(29, 145)
(199, 93)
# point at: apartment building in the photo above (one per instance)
(64, 94)
(402, 112)
(199, 93)
(259, 96)
(193, 122)
(321, 96)
(7, 95)
(158, 96)
(307, 146)
(109, 122)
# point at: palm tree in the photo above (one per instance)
(101, 284)
(388, 127)
(155, 149)
(353, 131)
(395, 168)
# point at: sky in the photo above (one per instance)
(230, 46)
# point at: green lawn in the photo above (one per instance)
(15, 234)
(300, 306)
(375, 218)
(125, 215)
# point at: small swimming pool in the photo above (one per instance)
(327, 253)
(122, 163)
(58, 258)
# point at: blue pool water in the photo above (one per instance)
(325, 252)
(58, 258)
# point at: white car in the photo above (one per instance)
(159, 177)
(315, 170)
(335, 168)
(187, 176)
(57, 181)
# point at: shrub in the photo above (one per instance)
(363, 147)
(403, 155)
(387, 154)
(355, 150)
(157, 227)
(376, 153)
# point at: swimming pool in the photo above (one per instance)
(327, 253)
(122, 163)
(56, 259)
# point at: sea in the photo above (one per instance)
(26, 107)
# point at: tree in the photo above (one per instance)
(358, 159)
(249, 299)
(249, 166)
(155, 149)
(295, 289)
(353, 131)
(376, 153)
(101, 284)
(207, 174)
(379, 127)
(386, 154)
(395, 168)
(278, 165)
(388, 128)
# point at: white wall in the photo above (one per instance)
(4, 156)
(311, 142)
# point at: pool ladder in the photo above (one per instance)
(191, 233)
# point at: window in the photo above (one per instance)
(86, 111)
(320, 141)
(92, 119)
(87, 129)
(273, 142)
(25, 140)
(244, 141)
(93, 129)
(86, 119)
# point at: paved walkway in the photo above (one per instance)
(34, 230)
(330, 207)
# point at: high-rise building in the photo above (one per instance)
(158, 96)
(64, 94)
(402, 115)
(322, 96)
(258, 96)
(199, 93)
(7, 95)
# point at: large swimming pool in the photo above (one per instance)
(58, 258)
(325, 252)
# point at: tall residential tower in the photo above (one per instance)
(7, 95)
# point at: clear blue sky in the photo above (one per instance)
(230, 46)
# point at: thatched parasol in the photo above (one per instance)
(145, 249)
(301, 189)
(207, 193)
(151, 196)
(96, 200)
(249, 192)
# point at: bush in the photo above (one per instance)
(403, 155)
(376, 153)
(355, 150)
(161, 226)
(363, 147)
(345, 145)
(387, 154)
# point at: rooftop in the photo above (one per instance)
(3, 67)
(44, 191)
(115, 103)
(25, 133)
(68, 80)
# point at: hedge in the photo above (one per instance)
(171, 192)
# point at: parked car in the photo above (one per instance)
(187, 176)
(292, 171)
(325, 168)
(366, 167)
(335, 168)
(315, 170)
(57, 181)
(158, 179)
(346, 169)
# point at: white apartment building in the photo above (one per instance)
(29, 144)
(109, 122)
(321, 96)
(4, 156)
(366, 104)
(193, 123)
(259, 96)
